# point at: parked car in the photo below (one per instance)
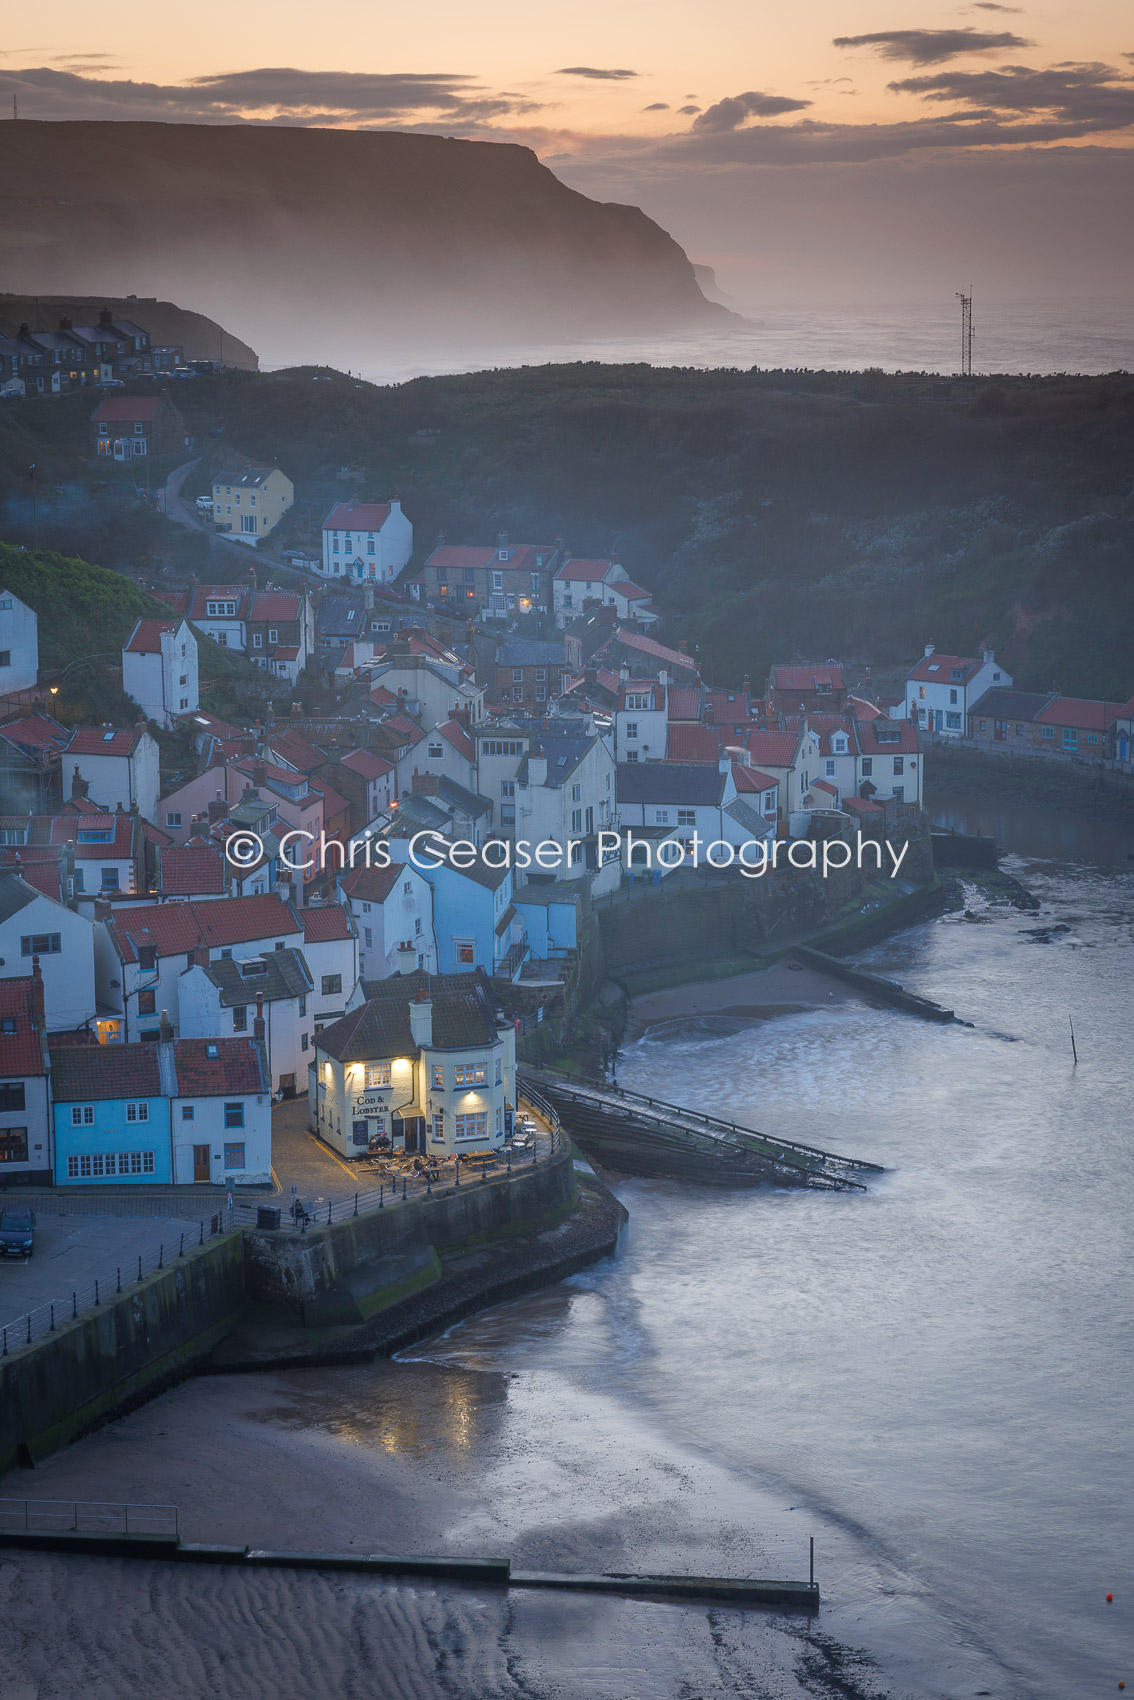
(205, 503)
(17, 1231)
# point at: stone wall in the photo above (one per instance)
(104, 1363)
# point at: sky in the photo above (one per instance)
(835, 149)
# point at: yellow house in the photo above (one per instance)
(253, 503)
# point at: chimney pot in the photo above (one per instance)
(38, 1016)
(165, 1028)
(258, 1023)
(421, 1021)
(929, 648)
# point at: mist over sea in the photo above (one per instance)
(1009, 337)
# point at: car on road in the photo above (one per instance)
(205, 504)
(17, 1231)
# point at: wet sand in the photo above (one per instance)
(759, 996)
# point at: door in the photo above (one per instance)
(201, 1164)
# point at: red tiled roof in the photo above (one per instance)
(367, 764)
(237, 1067)
(286, 652)
(593, 572)
(104, 741)
(382, 697)
(863, 806)
(454, 733)
(752, 779)
(34, 732)
(773, 749)
(460, 555)
(83, 806)
(372, 885)
(99, 1072)
(657, 651)
(275, 605)
(334, 803)
(1126, 711)
(39, 866)
(67, 828)
(330, 921)
(693, 743)
(935, 668)
(808, 676)
(145, 639)
(123, 409)
(20, 1052)
(824, 785)
(639, 687)
(905, 744)
(190, 870)
(176, 927)
(626, 587)
(290, 747)
(1082, 712)
(363, 516)
(405, 728)
(154, 834)
(684, 702)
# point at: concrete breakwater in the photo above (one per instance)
(351, 1290)
(873, 985)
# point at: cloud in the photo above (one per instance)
(281, 95)
(686, 110)
(730, 114)
(658, 106)
(1090, 97)
(931, 47)
(591, 71)
(991, 6)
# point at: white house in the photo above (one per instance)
(330, 947)
(431, 690)
(940, 689)
(423, 1063)
(641, 725)
(379, 776)
(578, 582)
(19, 644)
(119, 767)
(565, 793)
(676, 801)
(31, 926)
(369, 542)
(220, 1112)
(25, 1122)
(392, 912)
(267, 996)
(159, 669)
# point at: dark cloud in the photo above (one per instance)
(991, 6)
(658, 106)
(731, 113)
(1091, 97)
(590, 71)
(268, 95)
(686, 110)
(931, 47)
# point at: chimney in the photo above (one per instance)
(421, 1021)
(624, 673)
(105, 319)
(259, 774)
(368, 597)
(989, 657)
(501, 539)
(103, 909)
(929, 648)
(683, 646)
(65, 325)
(440, 540)
(537, 769)
(38, 1018)
(663, 677)
(746, 684)
(165, 1028)
(395, 507)
(424, 784)
(25, 328)
(79, 787)
(258, 1023)
(724, 763)
(218, 809)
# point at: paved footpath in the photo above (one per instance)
(73, 1251)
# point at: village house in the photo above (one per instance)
(250, 504)
(391, 909)
(119, 766)
(221, 1112)
(580, 584)
(1003, 720)
(197, 871)
(565, 794)
(330, 949)
(159, 669)
(1078, 727)
(34, 925)
(447, 752)
(30, 753)
(19, 644)
(366, 541)
(669, 802)
(643, 657)
(428, 1064)
(640, 720)
(274, 628)
(431, 690)
(268, 995)
(25, 1111)
(1123, 733)
(512, 579)
(817, 687)
(940, 689)
(889, 764)
(370, 786)
(529, 671)
(126, 427)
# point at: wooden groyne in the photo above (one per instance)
(637, 1135)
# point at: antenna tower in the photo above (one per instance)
(966, 332)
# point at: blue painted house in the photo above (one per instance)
(111, 1115)
(475, 922)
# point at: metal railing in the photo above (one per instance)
(410, 1185)
(91, 1516)
(102, 1289)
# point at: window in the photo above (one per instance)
(147, 1003)
(464, 953)
(469, 1074)
(303, 1004)
(14, 1144)
(830, 770)
(471, 1127)
(234, 1115)
(41, 944)
(376, 1075)
(576, 820)
(498, 581)
(867, 766)
(541, 672)
(541, 693)
(187, 1112)
(631, 728)
(304, 1040)
(631, 755)
(687, 817)
(82, 1115)
(331, 983)
(240, 1019)
(899, 793)
(661, 817)
(110, 879)
(234, 1155)
(367, 936)
(248, 522)
(1092, 737)
(637, 699)
(953, 696)
(438, 1075)
(273, 634)
(12, 1095)
(257, 640)
(435, 751)
(953, 722)
(173, 820)
(1045, 732)
(438, 1124)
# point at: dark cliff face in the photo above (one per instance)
(307, 242)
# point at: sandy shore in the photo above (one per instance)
(759, 996)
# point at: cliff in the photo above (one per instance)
(337, 245)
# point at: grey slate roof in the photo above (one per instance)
(1001, 703)
(530, 652)
(15, 894)
(464, 1016)
(689, 783)
(285, 975)
(564, 753)
(745, 815)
